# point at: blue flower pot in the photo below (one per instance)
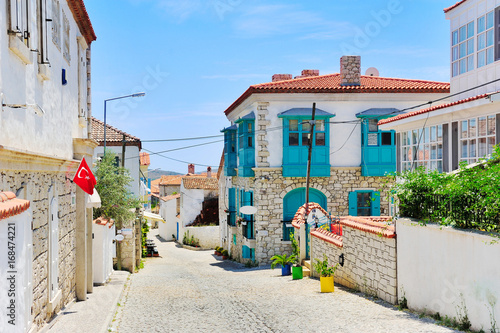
(286, 270)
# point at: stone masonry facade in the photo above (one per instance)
(350, 70)
(270, 187)
(369, 262)
(36, 188)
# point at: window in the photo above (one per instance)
(247, 253)
(364, 203)
(378, 148)
(19, 20)
(231, 219)
(246, 199)
(66, 44)
(462, 50)
(230, 153)
(56, 24)
(246, 145)
(43, 26)
(485, 39)
(422, 147)
(477, 138)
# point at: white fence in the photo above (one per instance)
(453, 272)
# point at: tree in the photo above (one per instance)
(116, 201)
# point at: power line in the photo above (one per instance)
(173, 159)
(181, 148)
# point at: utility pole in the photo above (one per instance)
(119, 223)
(311, 139)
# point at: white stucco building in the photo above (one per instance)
(44, 133)
(466, 128)
(266, 151)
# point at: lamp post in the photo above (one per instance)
(140, 94)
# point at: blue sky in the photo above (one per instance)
(193, 58)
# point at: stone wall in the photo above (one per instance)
(37, 186)
(369, 250)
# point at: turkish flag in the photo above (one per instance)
(85, 178)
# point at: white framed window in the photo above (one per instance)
(462, 49)
(485, 39)
(43, 31)
(56, 24)
(66, 41)
(422, 147)
(477, 138)
(19, 20)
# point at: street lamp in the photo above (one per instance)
(140, 94)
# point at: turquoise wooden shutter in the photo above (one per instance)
(375, 203)
(353, 204)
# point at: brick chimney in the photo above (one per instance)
(282, 77)
(350, 71)
(209, 172)
(191, 168)
(308, 73)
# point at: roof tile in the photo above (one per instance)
(144, 157)
(446, 10)
(197, 183)
(114, 137)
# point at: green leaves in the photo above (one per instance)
(282, 260)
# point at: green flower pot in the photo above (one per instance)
(297, 272)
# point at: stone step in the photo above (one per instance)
(306, 263)
(306, 271)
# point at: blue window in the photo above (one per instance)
(230, 153)
(247, 226)
(247, 253)
(296, 139)
(378, 148)
(364, 203)
(231, 193)
(246, 145)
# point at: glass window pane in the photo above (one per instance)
(470, 63)
(250, 141)
(440, 166)
(293, 125)
(320, 125)
(364, 199)
(490, 20)
(386, 139)
(249, 127)
(482, 126)
(454, 37)
(463, 50)
(440, 152)
(491, 125)
(470, 46)
(454, 69)
(404, 151)
(415, 153)
(470, 29)
(426, 135)
(472, 148)
(372, 125)
(481, 24)
(420, 153)
(320, 139)
(454, 52)
(433, 152)
(404, 138)
(305, 139)
(440, 132)
(481, 59)
(465, 149)
(472, 128)
(306, 126)
(490, 38)
(463, 33)
(408, 142)
(491, 143)
(481, 41)
(483, 148)
(433, 134)
(415, 137)
(433, 165)
(426, 152)
(293, 139)
(490, 55)
(465, 129)
(410, 156)
(241, 142)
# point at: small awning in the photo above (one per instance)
(250, 116)
(153, 217)
(379, 113)
(230, 128)
(296, 112)
(94, 200)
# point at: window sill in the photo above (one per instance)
(54, 303)
(20, 49)
(286, 242)
(43, 72)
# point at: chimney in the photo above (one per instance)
(308, 73)
(191, 168)
(350, 71)
(282, 77)
(209, 172)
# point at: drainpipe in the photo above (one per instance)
(311, 138)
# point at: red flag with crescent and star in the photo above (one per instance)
(85, 178)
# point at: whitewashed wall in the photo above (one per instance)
(441, 269)
(102, 252)
(191, 204)
(208, 236)
(168, 211)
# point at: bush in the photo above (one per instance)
(191, 241)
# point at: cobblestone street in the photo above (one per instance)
(193, 291)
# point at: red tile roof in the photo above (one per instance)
(331, 84)
(11, 206)
(434, 108)
(446, 10)
(328, 237)
(114, 136)
(144, 157)
(371, 225)
(197, 183)
(82, 20)
(171, 197)
(104, 221)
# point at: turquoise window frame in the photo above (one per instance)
(232, 208)
(377, 160)
(247, 253)
(246, 145)
(230, 151)
(295, 156)
(246, 199)
(355, 205)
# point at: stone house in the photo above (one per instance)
(44, 133)
(145, 181)
(466, 128)
(266, 151)
(170, 185)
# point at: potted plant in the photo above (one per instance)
(284, 261)
(326, 273)
(297, 272)
(225, 254)
(216, 251)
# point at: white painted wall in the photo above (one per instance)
(52, 133)
(191, 204)
(102, 252)
(131, 163)
(168, 211)
(345, 106)
(22, 279)
(208, 236)
(439, 268)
